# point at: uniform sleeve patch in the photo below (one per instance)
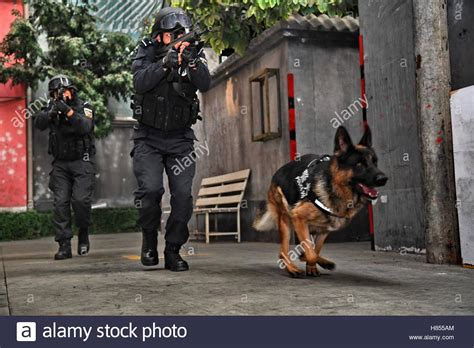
(88, 112)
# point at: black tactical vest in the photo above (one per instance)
(66, 145)
(172, 105)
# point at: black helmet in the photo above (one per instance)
(60, 81)
(170, 18)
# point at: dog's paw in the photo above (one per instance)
(312, 271)
(295, 272)
(299, 274)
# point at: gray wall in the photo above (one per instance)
(461, 42)
(387, 29)
(115, 180)
(327, 80)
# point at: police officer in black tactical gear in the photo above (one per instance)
(166, 79)
(71, 123)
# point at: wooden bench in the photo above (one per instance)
(221, 194)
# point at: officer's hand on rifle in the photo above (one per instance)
(171, 60)
(62, 107)
(52, 113)
(189, 55)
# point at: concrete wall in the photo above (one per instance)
(387, 29)
(327, 81)
(461, 42)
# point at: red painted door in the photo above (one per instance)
(13, 131)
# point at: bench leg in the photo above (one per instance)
(196, 230)
(207, 228)
(238, 226)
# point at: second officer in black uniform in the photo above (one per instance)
(166, 80)
(71, 123)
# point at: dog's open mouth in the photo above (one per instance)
(368, 191)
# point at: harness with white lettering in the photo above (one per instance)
(304, 182)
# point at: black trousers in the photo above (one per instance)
(155, 152)
(72, 183)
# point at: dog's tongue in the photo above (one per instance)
(369, 191)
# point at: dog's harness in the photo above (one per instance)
(303, 182)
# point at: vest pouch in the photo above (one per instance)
(160, 113)
(68, 149)
(80, 149)
(181, 116)
(137, 106)
(148, 111)
(53, 144)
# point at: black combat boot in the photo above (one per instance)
(149, 248)
(173, 260)
(64, 251)
(83, 244)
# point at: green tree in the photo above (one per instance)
(234, 23)
(96, 60)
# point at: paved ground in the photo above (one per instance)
(226, 279)
(4, 310)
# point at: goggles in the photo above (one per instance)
(172, 20)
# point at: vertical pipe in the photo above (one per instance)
(291, 115)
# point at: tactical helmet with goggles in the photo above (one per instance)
(60, 81)
(170, 19)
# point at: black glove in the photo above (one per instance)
(61, 107)
(52, 115)
(189, 55)
(171, 59)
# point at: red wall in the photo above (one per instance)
(13, 145)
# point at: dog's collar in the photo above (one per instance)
(320, 205)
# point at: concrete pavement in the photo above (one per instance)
(4, 310)
(226, 278)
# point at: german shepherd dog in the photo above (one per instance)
(318, 196)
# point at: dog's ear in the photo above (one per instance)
(342, 141)
(366, 138)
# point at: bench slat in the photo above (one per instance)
(212, 210)
(215, 190)
(221, 179)
(218, 233)
(200, 202)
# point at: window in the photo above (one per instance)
(265, 106)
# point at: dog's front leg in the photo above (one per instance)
(324, 263)
(302, 231)
(284, 229)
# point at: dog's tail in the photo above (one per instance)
(265, 222)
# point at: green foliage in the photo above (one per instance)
(96, 60)
(32, 224)
(233, 24)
